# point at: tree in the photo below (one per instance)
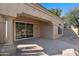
(56, 11)
(73, 17)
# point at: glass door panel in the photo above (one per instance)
(24, 30)
(20, 30)
(29, 30)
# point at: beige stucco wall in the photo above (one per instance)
(2, 30)
(55, 32)
(10, 31)
(50, 31)
(46, 30)
(18, 8)
(6, 30)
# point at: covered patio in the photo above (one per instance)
(34, 22)
(40, 28)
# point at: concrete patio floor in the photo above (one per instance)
(47, 47)
(42, 47)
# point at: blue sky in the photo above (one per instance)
(65, 7)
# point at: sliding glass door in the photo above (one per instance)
(20, 30)
(24, 30)
(29, 30)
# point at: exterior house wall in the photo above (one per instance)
(46, 30)
(55, 28)
(42, 26)
(55, 32)
(19, 8)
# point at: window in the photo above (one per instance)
(24, 30)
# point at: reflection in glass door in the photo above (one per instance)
(24, 30)
(20, 30)
(29, 30)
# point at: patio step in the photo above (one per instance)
(30, 53)
(34, 54)
(29, 49)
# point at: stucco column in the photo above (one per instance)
(2, 30)
(54, 31)
(9, 47)
(9, 31)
